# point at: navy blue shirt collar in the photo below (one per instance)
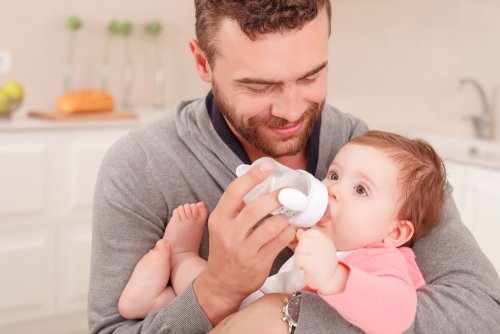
(234, 144)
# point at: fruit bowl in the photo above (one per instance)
(7, 107)
(11, 97)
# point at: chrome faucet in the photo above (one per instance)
(483, 123)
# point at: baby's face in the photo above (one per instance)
(364, 197)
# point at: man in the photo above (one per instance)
(267, 63)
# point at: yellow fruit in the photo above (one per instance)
(4, 103)
(14, 90)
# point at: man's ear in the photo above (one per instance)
(201, 61)
(400, 234)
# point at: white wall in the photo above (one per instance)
(394, 63)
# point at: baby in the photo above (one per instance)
(385, 191)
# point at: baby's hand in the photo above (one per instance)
(316, 255)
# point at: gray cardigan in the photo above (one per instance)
(180, 159)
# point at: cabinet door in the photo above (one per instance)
(73, 267)
(27, 279)
(22, 173)
(482, 211)
(85, 157)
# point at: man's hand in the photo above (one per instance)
(240, 254)
(265, 315)
(316, 255)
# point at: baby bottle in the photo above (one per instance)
(304, 198)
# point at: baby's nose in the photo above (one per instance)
(333, 191)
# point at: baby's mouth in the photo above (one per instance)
(326, 217)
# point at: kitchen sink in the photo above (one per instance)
(468, 150)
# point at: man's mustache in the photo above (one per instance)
(278, 122)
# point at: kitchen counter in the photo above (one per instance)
(469, 151)
(21, 122)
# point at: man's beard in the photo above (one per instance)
(272, 146)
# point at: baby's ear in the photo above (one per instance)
(400, 234)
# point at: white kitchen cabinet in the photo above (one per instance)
(27, 281)
(477, 194)
(47, 173)
(482, 210)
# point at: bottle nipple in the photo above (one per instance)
(326, 217)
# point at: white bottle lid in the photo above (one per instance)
(309, 208)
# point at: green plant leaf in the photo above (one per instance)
(154, 27)
(126, 28)
(74, 22)
(114, 27)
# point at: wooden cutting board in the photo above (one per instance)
(84, 116)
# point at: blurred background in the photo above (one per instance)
(419, 67)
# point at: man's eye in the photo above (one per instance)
(334, 176)
(259, 89)
(311, 79)
(359, 189)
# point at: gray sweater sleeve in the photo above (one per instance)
(462, 294)
(129, 216)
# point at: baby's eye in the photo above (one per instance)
(359, 189)
(334, 176)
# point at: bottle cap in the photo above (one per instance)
(311, 208)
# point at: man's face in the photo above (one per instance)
(272, 90)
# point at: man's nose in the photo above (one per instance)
(289, 104)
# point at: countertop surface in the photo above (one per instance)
(470, 151)
(21, 122)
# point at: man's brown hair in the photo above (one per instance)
(422, 177)
(254, 17)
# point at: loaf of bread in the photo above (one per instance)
(85, 101)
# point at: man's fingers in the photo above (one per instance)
(272, 248)
(266, 231)
(244, 224)
(232, 199)
(256, 210)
